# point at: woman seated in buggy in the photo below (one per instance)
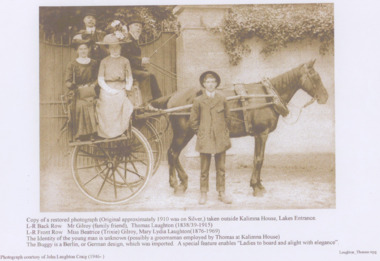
(81, 78)
(113, 108)
(99, 112)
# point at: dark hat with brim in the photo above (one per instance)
(214, 74)
(111, 39)
(135, 19)
(89, 12)
(80, 39)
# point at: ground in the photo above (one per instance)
(292, 181)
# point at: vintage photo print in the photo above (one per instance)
(190, 131)
(179, 107)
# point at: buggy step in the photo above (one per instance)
(77, 143)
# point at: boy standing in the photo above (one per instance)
(209, 119)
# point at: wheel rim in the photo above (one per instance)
(113, 172)
(154, 139)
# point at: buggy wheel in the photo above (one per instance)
(113, 171)
(151, 134)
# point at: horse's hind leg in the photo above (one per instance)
(172, 155)
(260, 141)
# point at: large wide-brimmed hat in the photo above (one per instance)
(214, 74)
(89, 12)
(135, 19)
(80, 39)
(110, 39)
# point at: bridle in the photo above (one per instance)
(314, 88)
(312, 100)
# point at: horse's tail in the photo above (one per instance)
(162, 102)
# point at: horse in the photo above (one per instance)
(261, 121)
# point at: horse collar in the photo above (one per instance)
(279, 105)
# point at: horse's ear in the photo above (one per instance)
(311, 63)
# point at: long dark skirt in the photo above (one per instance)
(85, 120)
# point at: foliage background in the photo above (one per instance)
(277, 26)
(64, 22)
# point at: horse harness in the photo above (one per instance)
(279, 105)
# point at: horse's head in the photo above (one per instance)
(312, 84)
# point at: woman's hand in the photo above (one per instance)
(105, 87)
(128, 87)
(145, 60)
(129, 83)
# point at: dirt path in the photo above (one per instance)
(291, 181)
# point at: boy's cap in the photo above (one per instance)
(214, 74)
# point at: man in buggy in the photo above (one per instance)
(147, 81)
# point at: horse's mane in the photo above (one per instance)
(288, 78)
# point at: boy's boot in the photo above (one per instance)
(203, 198)
(222, 197)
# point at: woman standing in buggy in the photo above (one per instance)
(113, 108)
(81, 78)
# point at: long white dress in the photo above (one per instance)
(114, 110)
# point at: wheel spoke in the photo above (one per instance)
(94, 176)
(121, 176)
(154, 139)
(125, 168)
(138, 160)
(109, 157)
(115, 171)
(92, 166)
(125, 181)
(134, 172)
(114, 182)
(136, 149)
(104, 181)
(134, 166)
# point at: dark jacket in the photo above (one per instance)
(132, 51)
(209, 119)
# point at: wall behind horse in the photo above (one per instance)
(199, 50)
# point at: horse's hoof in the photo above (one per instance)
(261, 187)
(257, 192)
(179, 190)
(174, 186)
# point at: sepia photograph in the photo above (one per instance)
(217, 130)
(184, 107)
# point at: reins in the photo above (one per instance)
(300, 112)
(160, 69)
(304, 106)
(155, 51)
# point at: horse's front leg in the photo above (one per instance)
(175, 166)
(260, 141)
